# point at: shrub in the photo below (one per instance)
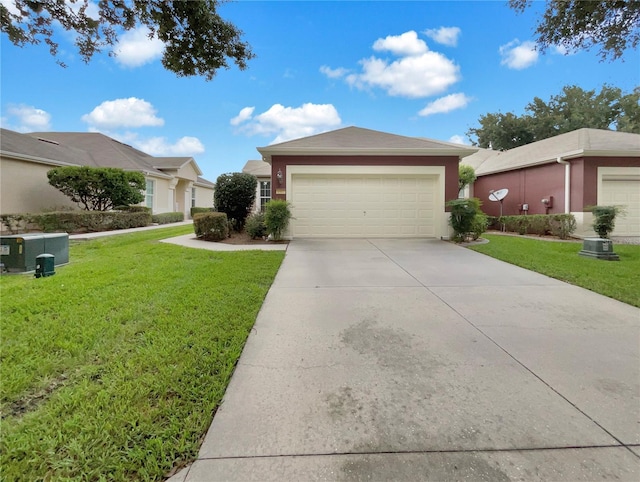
(234, 195)
(562, 225)
(89, 221)
(255, 227)
(479, 225)
(604, 219)
(538, 224)
(463, 213)
(166, 218)
(135, 208)
(466, 176)
(276, 217)
(211, 226)
(195, 211)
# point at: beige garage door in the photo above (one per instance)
(627, 194)
(358, 205)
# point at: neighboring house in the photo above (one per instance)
(565, 174)
(172, 183)
(262, 171)
(356, 182)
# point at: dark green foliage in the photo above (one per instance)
(466, 176)
(561, 225)
(572, 109)
(234, 195)
(166, 218)
(196, 210)
(276, 217)
(197, 40)
(211, 226)
(479, 225)
(604, 219)
(133, 209)
(613, 26)
(89, 221)
(463, 215)
(255, 227)
(98, 188)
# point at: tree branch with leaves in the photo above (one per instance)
(197, 40)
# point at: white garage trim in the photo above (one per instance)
(620, 186)
(433, 175)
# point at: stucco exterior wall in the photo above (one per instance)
(204, 197)
(526, 186)
(24, 188)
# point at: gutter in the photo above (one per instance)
(567, 183)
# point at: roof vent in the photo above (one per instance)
(48, 140)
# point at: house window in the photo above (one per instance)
(148, 195)
(193, 197)
(265, 193)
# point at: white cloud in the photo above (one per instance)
(458, 139)
(244, 114)
(26, 118)
(292, 122)
(445, 104)
(418, 72)
(517, 55)
(407, 43)
(415, 76)
(444, 35)
(11, 6)
(135, 48)
(159, 146)
(131, 112)
(334, 73)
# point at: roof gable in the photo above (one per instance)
(257, 168)
(359, 141)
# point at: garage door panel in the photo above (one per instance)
(363, 205)
(624, 193)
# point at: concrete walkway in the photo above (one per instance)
(420, 360)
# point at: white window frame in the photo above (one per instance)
(265, 194)
(149, 194)
(193, 197)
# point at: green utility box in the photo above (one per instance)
(18, 252)
(598, 248)
(45, 265)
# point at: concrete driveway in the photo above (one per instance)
(421, 360)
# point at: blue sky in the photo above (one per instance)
(427, 69)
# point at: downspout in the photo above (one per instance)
(567, 183)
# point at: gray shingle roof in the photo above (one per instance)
(578, 143)
(359, 141)
(21, 145)
(257, 168)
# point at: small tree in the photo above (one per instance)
(466, 175)
(464, 219)
(604, 219)
(276, 217)
(234, 195)
(98, 188)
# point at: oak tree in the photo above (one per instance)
(197, 40)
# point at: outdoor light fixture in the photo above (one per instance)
(279, 176)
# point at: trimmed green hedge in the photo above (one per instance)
(195, 211)
(166, 218)
(75, 221)
(561, 225)
(211, 226)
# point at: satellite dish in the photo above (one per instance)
(498, 195)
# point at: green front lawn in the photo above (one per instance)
(113, 368)
(616, 279)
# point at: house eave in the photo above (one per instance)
(37, 160)
(267, 152)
